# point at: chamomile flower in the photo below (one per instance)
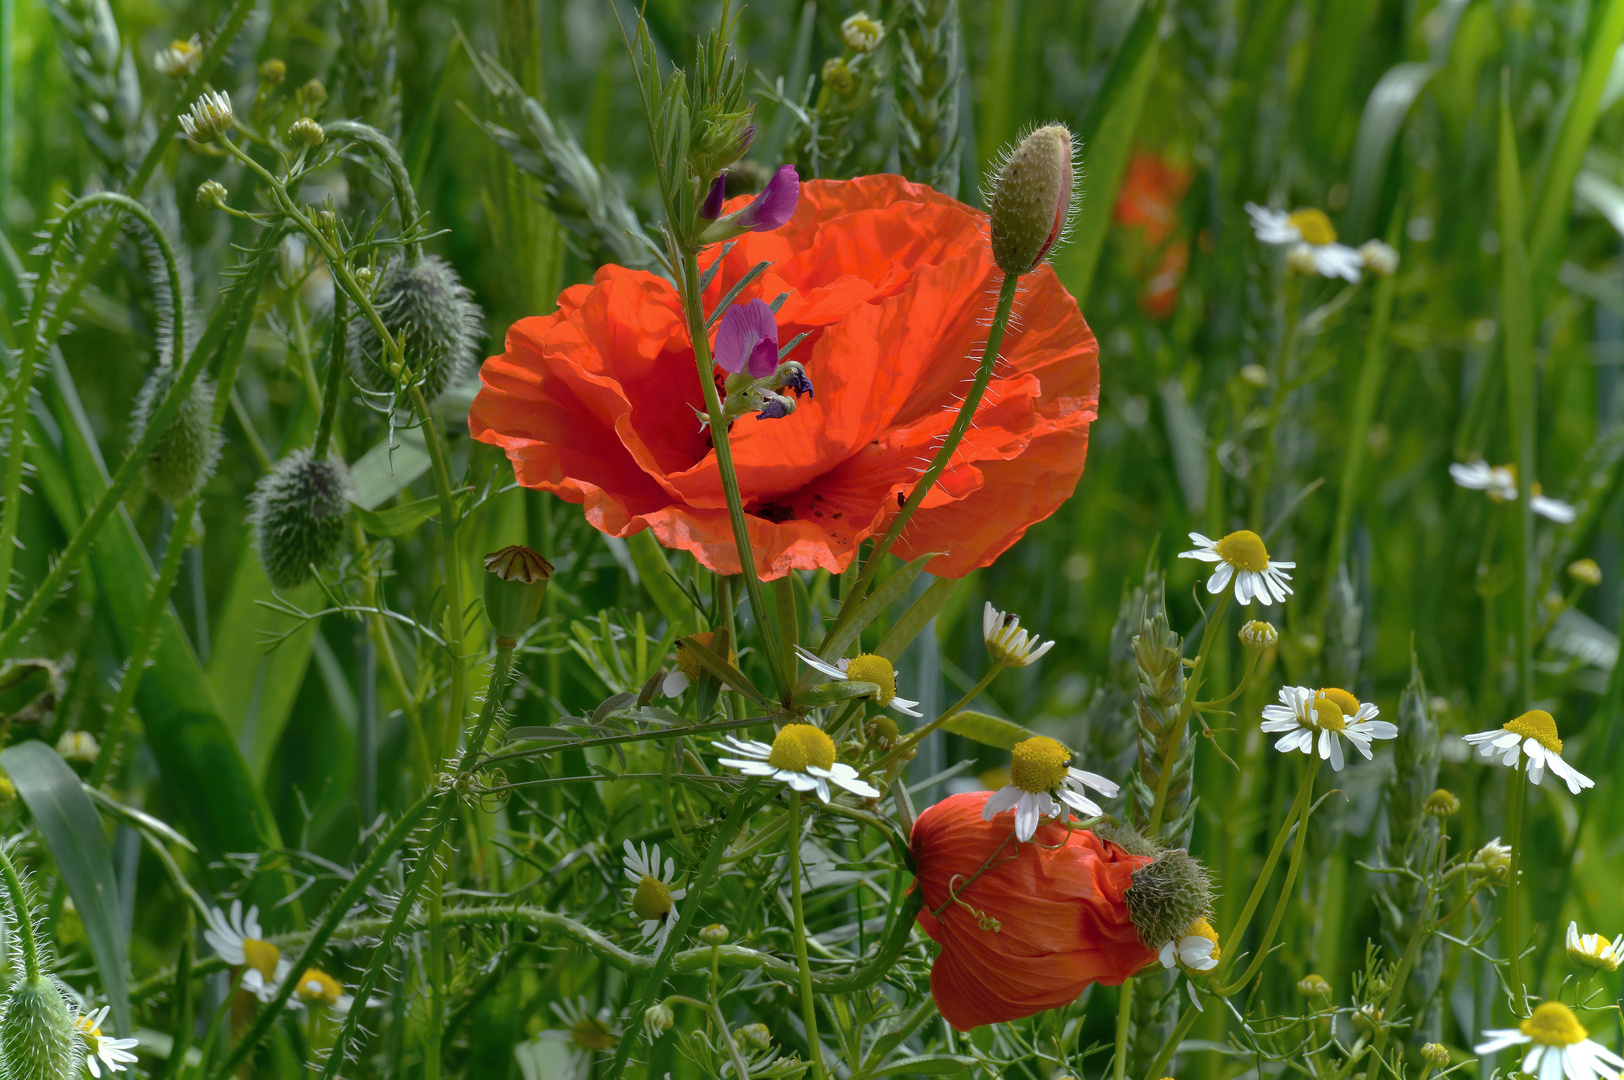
(1532, 736)
(688, 669)
(1499, 482)
(1242, 558)
(1594, 950)
(1042, 784)
(1560, 1046)
(1006, 642)
(180, 59)
(1311, 238)
(587, 1032)
(209, 116)
(1194, 952)
(653, 898)
(1331, 715)
(316, 987)
(867, 668)
(801, 755)
(239, 941)
(102, 1052)
(861, 32)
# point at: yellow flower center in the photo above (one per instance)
(1203, 929)
(652, 900)
(590, 1034)
(90, 1033)
(1344, 700)
(261, 956)
(1315, 226)
(877, 670)
(1328, 715)
(316, 985)
(1244, 550)
(1553, 1024)
(1039, 764)
(687, 662)
(1539, 725)
(801, 745)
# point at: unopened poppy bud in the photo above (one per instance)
(755, 1036)
(1259, 635)
(184, 457)
(1314, 986)
(657, 1020)
(1440, 804)
(305, 134)
(211, 195)
(1585, 572)
(838, 77)
(861, 32)
(37, 1036)
(80, 746)
(714, 934)
(299, 510)
(427, 309)
(1168, 894)
(209, 117)
(515, 585)
(1436, 1055)
(273, 72)
(1031, 199)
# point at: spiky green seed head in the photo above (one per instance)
(1168, 895)
(37, 1038)
(1031, 199)
(426, 307)
(184, 457)
(1130, 840)
(299, 509)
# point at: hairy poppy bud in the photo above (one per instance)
(1168, 894)
(299, 508)
(184, 457)
(427, 308)
(37, 1039)
(515, 585)
(1031, 199)
(305, 134)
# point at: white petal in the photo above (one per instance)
(999, 801)
(1026, 816)
(1220, 578)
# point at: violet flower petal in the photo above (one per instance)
(714, 198)
(775, 205)
(748, 332)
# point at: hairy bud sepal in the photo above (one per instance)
(1168, 895)
(1031, 199)
(37, 1039)
(431, 313)
(299, 510)
(184, 457)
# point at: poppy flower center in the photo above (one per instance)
(1038, 764)
(1539, 725)
(652, 900)
(317, 985)
(590, 1034)
(261, 956)
(1553, 1024)
(1244, 550)
(1344, 700)
(877, 670)
(1315, 226)
(1328, 715)
(800, 746)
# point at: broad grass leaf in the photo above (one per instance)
(987, 730)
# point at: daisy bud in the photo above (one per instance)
(1031, 199)
(37, 1036)
(1492, 860)
(882, 732)
(1366, 1019)
(1259, 635)
(1585, 572)
(273, 72)
(1436, 1055)
(862, 32)
(364, 276)
(326, 221)
(299, 510)
(211, 195)
(1167, 895)
(1301, 259)
(755, 1036)
(657, 1020)
(515, 585)
(313, 92)
(721, 140)
(713, 935)
(305, 134)
(1256, 374)
(1440, 804)
(838, 77)
(180, 59)
(78, 746)
(431, 313)
(184, 457)
(1313, 986)
(1379, 258)
(209, 117)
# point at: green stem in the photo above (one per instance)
(1119, 1067)
(809, 1002)
(22, 916)
(1513, 936)
(916, 737)
(1364, 410)
(1192, 689)
(1304, 792)
(1278, 377)
(1158, 1067)
(334, 387)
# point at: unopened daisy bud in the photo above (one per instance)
(1366, 1019)
(38, 1040)
(180, 59)
(425, 306)
(1492, 860)
(1301, 260)
(861, 32)
(326, 221)
(78, 746)
(313, 92)
(755, 1036)
(1256, 374)
(1259, 635)
(184, 457)
(273, 72)
(1585, 572)
(1031, 199)
(838, 77)
(714, 934)
(209, 117)
(1168, 895)
(1379, 258)
(515, 585)
(211, 195)
(882, 732)
(1314, 986)
(365, 276)
(305, 134)
(657, 1020)
(299, 510)
(1440, 804)
(1436, 1055)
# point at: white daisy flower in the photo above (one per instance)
(1594, 950)
(1196, 950)
(1379, 258)
(1532, 736)
(239, 941)
(1042, 784)
(102, 1052)
(861, 32)
(1241, 557)
(1006, 642)
(587, 1032)
(316, 987)
(801, 755)
(1331, 714)
(1561, 1047)
(864, 668)
(688, 670)
(653, 897)
(209, 116)
(1499, 482)
(1311, 238)
(180, 59)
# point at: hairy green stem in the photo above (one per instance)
(334, 388)
(21, 916)
(809, 1001)
(1119, 1064)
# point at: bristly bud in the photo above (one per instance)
(37, 1036)
(209, 117)
(211, 195)
(1031, 199)
(1440, 804)
(1314, 986)
(184, 457)
(1168, 895)
(862, 32)
(299, 509)
(1585, 572)
(273, 72)
(1259, 635)
(1435, 1055)
(428, 309)
(180, 59)
(714, 934)
(515, 585)
(305, 134)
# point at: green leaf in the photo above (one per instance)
(655, 572)
(834, 693)
(988, 730)
(928, 1065)
(724, 672)
(399, 520)
(381, 473)
(1389, 103)
(916, 618)
(891, 590)
(73, 831)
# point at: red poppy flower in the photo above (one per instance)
(893, 285)
(1150, 195)
(1062, 922)
(1159, 297)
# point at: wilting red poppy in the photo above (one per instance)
(1057, 903)
(893, 284)
(1150, 195)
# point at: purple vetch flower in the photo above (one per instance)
(711, 209)
(769, 210)
(747, 340)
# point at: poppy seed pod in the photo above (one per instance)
(299, 509)
(1031, 199)
(37, 1039)
(428, 309)
(1168, 894)
(184, 457)
(515, 585)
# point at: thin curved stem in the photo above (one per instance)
(383, 148)
(916, 737)
(809, 1001)
(1304, 792)
(333, 390)
(1513, 935)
